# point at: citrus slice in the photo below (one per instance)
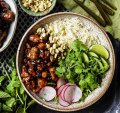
(100, 50)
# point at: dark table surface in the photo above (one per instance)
(109, 103)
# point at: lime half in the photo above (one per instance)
(100, 50)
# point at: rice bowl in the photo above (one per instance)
(99, 37)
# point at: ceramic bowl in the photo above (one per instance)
(38, 13)
(13, 25)
(104, 40)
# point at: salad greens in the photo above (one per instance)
(83, 67)
(13, 98)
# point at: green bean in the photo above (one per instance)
(109, 4)
(90, 12)
(105, 64)
(104, 15)
(100, 65)
(107, 9)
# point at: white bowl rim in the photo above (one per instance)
(15, 26)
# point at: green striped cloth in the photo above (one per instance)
(114, 29)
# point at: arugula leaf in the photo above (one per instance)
(30, 103)
(10, 102)
(13, 94)
(20, 109)
(13, 74)
(4, 94)
(1, 79)
(22, 90)
(6, 108)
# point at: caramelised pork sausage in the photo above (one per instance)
(41, 82)
(34, 38)
(41, 46)
(33, 53)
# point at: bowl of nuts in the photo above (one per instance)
(37, 7)
(8, 22)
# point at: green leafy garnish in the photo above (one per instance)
(13, 98)
(82, 67)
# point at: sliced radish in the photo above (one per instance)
(63, 91)
(77, 94)
(69, 93)
(62, 102)
(60, 89)
(47, 93)
(60, 82)
(70, 84)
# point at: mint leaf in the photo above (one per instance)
(20, 110)
(1, 79)
(6, 108)
(10, 102)
(4, 94)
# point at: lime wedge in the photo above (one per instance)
(100, 50)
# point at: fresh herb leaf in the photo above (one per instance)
(51, 83)
(2, 78)
(30, 103)
(81, 68)
(4, 94)
(13, 94)
(6, 108)
(20, 109)
(22, 90)
(78, 46)
(10, 102)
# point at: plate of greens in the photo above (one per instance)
(65, 62)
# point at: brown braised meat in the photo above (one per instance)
(6, 17)
(37, 68)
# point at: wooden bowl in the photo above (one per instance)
(105, 41)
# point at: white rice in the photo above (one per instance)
(73, 29)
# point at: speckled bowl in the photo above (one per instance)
(13, 25)
(38, 13)
(104, 40)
